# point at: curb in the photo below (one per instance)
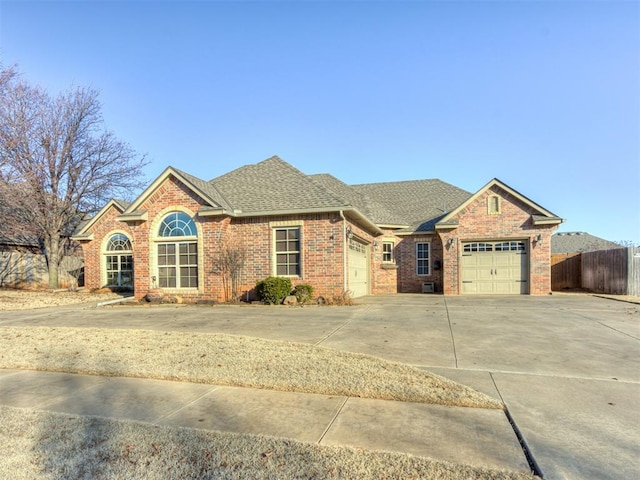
(117, 300)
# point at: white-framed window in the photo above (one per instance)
(177, 252)
(478, 247)
(387, 252)
(287, 255)
(119, 261)
(423, 265)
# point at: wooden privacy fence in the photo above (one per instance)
(566, 271)
(615, 271)
(19, 268)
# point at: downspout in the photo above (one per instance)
(344, 250)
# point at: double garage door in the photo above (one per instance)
(500, 267)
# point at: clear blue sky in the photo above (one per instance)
(544, 95)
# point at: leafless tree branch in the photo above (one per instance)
(58, 157)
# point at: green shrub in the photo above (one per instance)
(273, 290)
(303, 292)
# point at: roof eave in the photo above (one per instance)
(213, 212)
(364, 220)
(270, 213)
(354, 212)
(82, 238)
(415, 233)
(392, 226)
(447, 225)
(547, 220)
(137, 216)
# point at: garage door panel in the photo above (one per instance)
(499, 267)
(358, 260)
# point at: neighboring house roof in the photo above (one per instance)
(571, 242)
(19, 240)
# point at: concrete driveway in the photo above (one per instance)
(566, 366)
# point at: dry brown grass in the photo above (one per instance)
(42, 445)
(36, 297)
(228, 360)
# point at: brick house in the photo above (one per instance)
(412, 236)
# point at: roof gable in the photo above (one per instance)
(201, 188)
(541, 215)
(84, 227)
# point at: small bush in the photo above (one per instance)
(273, 290)
(303, 293)
(340, 299)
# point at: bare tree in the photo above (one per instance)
(66, 165)
(229, 263)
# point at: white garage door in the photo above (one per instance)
(499, 267)
(358, 260)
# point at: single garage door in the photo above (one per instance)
(358, 260)
(500, 267)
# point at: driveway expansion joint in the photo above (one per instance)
(340, 327)
(533, 464)
(185, 406)
(453, 340)
(333, 420)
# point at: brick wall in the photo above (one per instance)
(384, 275)
(512, 223)
(321, 236)
(408, 279)
(323, 254)
(103, 229)
(322, 250)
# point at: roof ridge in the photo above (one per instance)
(198, 180)
(398, 181)
(330, 192)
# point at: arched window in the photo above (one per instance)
(119, 261)
(119, 242)
(177, 224)
(177, 252)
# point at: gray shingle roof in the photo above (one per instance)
(19, 240)
(570, 242)
(367, 206)
(417, 203)
(206, 188)
(273, 185)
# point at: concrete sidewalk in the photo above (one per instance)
(478, 437)
(566, 366)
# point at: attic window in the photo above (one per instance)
(493, 205)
